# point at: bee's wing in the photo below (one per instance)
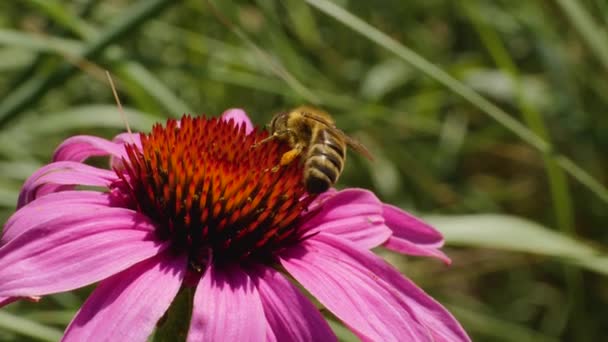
(310, 114)
(357, 146)
(352, 143)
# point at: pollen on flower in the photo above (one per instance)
(210, 192)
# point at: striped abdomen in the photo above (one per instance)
(324, 161)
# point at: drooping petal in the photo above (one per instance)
(122, 139)
(240, 118)
(353, 214)
(56, 175)
(354, 283)
(227, 307)
(127, 306)
(128, 138)
(7, 300)
(49, 207)
(292, 317)
(81, 147)
(406, 247)
(411, 235)
(72, 251)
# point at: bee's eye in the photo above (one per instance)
(276, 122)
(271, 125)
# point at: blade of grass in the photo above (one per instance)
(38, 43)
(515, 234)
(135, 75)
(82, 11)
(560, 193)
(55, 317)
(58, 12)
(35, 88)
(602, 7)
(26, 327)
(275, 65)
(254, 73)
(431, 70)
(496, 328)
(592, 34)
(72, 118)
(154, 87)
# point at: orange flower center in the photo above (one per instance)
(211, 193)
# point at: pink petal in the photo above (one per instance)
(411, 235)
(405, 247)
(81, 147)
(292, 317)
(85, 196)
(353, 283)
(75, 250)
(322, 197)
(49, 207)
(52, 177)
(270, 336)
(127, 306)
(128, 138)
(227, 307)
(7, 300)
(239, 117)
(353, 214)
(408, 227)
(368, 306)
(122, 139)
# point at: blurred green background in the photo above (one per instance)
(488, 118)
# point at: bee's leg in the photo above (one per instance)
(275, 135)
(263, 141)
(289, 156)
(292, 154)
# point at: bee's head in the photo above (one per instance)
(278, 122)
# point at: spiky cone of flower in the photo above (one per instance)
(191, 204)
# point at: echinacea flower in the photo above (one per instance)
(192, 204)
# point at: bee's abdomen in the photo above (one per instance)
(324, 162)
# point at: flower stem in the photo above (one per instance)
(175, 323)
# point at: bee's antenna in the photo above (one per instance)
(122, 113)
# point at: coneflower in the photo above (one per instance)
(191, 204)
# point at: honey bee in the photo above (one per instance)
(313, 136)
